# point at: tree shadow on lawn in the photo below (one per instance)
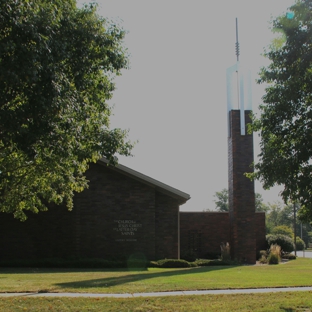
(130, 278)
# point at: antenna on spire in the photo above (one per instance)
(238, 84)
(237, 43)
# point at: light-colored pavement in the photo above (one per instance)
(160, 294)
(304, 254)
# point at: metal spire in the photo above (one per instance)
(237, 43)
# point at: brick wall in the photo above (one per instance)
(241, 191)
(213, 228)
(44, 235)
(167, 227)
(203, 231)
(116, 217)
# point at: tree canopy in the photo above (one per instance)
(222, 201)
(57, 65)
(285, 122)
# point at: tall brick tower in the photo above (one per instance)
(240, 158)
(241, 191)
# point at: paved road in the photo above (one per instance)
(305, 254)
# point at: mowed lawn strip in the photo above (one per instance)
(296, 301)
(293, 273)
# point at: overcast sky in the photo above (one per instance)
(173, 98)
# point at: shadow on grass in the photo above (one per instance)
(139, 276)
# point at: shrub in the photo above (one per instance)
(175, 263)
(223, 262)
(225, 251)
(203, 262)
(273, 259)
(300, 244)
(285, 242)
(275, 254)
(289, 256)
(261, 253)
(283, 230)
(263, 259)
(207, 262)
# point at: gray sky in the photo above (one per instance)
(173, 98)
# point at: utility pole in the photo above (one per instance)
(294, 205)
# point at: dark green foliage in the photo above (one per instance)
(300, 244)
(222, 201)
(285, 242)
(134, 262)
(273, 258)
(203, 262)
(57, 65)
(174, 263)
(289, 256)
(283, 230)
(286, 113)
(261, 253)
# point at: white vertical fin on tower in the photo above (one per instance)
(243, 95)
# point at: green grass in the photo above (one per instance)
(286, 302)
(294, 273)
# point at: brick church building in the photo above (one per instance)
(121, 213)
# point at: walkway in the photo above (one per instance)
(160, 294)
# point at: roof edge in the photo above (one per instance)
(182, 196)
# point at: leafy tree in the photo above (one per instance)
(281, 216)
(285, 122)
(57, 65)
(222, 201)
(273, 217)
(283, 230)
(260, 205)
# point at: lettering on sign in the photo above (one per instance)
(127, 228)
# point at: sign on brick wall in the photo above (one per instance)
(127, 229)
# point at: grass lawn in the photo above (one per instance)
(290, 302)
(293, 273)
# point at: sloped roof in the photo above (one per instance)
(159, 186)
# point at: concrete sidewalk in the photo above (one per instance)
(160, 294)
